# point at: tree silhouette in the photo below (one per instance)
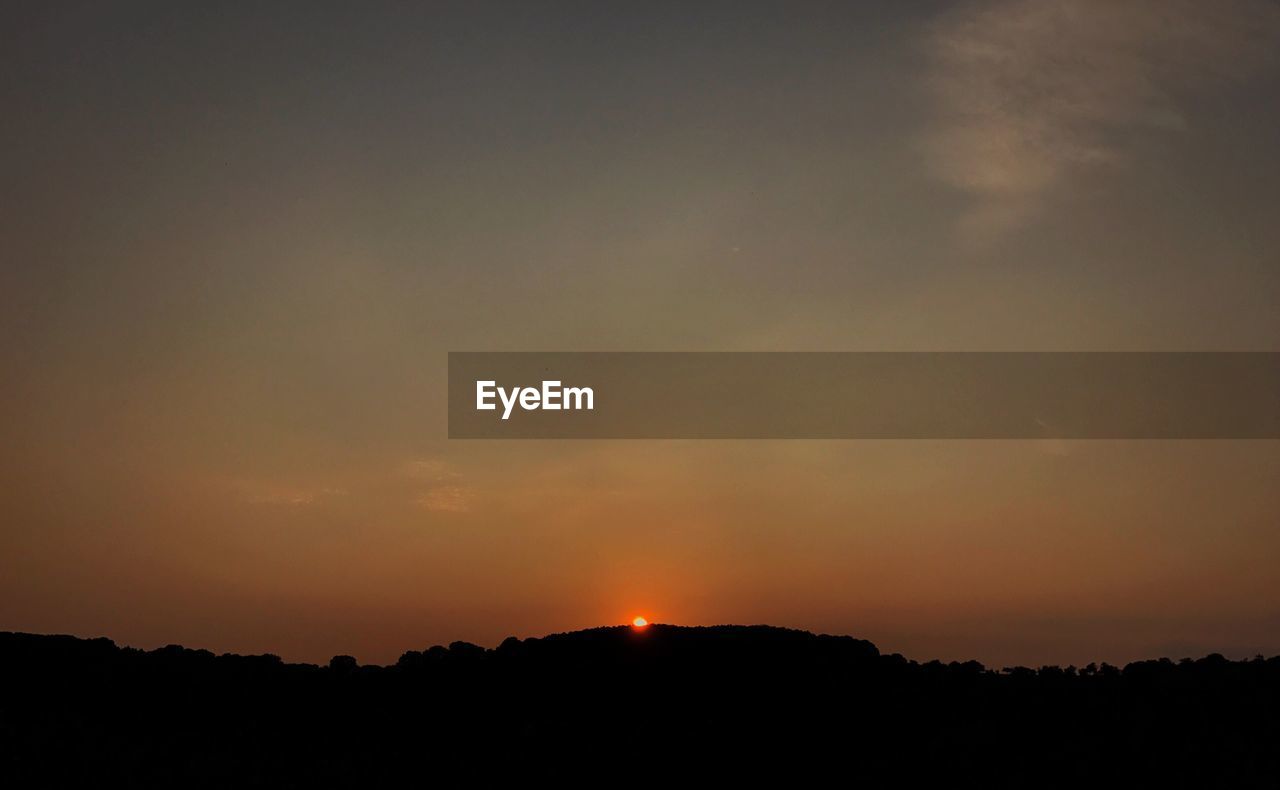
(76, 712)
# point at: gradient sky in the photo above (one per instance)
(238, 243)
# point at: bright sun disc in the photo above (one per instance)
(639, 622)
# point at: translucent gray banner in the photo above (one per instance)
(864, 395)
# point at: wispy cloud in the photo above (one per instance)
(446, 499)
(429, 470)
(256, 492)
(1029, 91)
(439, 484)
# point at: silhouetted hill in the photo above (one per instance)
(733, 699)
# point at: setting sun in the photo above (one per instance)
(639, 622)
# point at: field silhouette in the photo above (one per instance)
(663, 702)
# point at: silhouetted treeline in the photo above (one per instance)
(731, 700)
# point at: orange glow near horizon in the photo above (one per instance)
(640, 622)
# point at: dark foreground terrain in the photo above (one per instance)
(719, 702)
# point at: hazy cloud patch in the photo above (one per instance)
(1029, 91)
(446, 499)
(439, 485)
(429, 470)
(256, 492)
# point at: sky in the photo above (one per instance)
(238, 243)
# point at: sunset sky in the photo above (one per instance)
(238, 243)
